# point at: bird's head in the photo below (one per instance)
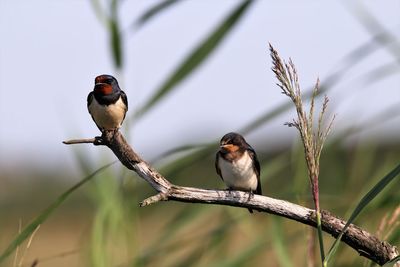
(105, 85)
(232, 142)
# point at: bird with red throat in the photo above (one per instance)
(107, 103)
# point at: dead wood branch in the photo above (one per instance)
(364, 243)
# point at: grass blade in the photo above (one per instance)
(372, 25)
(349, 61)
(115, 35)
(153, 11)
(46, 213)
(196, 57)
(279, 244)
(364, 202)
(115, 41)
(99, 11)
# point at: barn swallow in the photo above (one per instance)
(107, 103)
(237, 164)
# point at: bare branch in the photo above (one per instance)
(80, 141)
(363, 242)
(154, 199)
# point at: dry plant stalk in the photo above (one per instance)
(311, 248)
(27, 247)
(313, 141)
(388, 225)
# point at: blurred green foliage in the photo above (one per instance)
(179, 234)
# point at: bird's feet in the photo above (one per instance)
(98, 141)
(229, 190)
(251, 195)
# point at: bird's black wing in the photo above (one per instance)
(256, 168)
(217, 156)
(125, 100)
(90, 98)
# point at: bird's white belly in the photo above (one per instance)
(108, 117)
(239, 174)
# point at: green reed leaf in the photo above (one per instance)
(153, 11)
(196, 57)
(361, 205)
(41, 218)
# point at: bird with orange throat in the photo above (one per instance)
(237, 164)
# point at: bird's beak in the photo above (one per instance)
(228, 148)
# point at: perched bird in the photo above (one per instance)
(107, 103)
(237, 164)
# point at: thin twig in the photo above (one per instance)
(80, 141)
(153, 199)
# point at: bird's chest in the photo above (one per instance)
(108, 116)
(239, 174)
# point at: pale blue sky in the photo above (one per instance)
(51, 51)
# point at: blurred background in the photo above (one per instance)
(193, 71)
